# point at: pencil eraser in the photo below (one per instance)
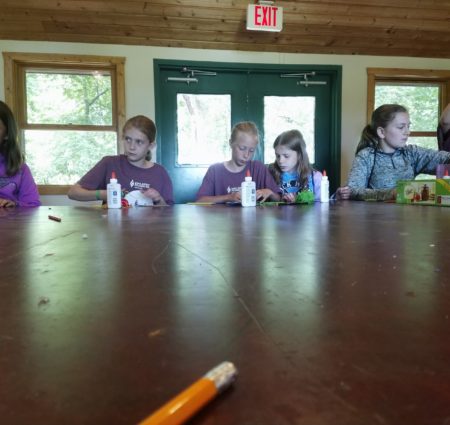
(222, 375)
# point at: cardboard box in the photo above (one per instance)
(424, 192)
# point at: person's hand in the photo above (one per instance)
(6, 203)
(289, 197)
(343, 193)
(234, 196)
(153, 194)
(263, 194)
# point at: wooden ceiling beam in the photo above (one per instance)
(261, 42)
(300, 19)
(201, 28)
(220, 10)
(129, 31)
(262, 47)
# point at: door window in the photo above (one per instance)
(203, 128)
(283, 113)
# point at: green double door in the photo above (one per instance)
(198, 103)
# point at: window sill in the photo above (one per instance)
(53, 189)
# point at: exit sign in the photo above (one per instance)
(264, 17)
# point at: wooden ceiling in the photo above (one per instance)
(419, 28)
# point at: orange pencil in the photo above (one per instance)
(193, 398)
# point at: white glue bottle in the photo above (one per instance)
(248, 191)
(113, 192)
(324, 188)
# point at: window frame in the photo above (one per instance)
(15, 67)
(414, 76)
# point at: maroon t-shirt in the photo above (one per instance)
(129, 176)
(219, 181)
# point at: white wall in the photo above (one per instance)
(139, 87)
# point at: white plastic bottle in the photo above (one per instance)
(248, 191)
(324, 188)
(113, 192)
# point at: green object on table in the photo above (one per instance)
(305, 197)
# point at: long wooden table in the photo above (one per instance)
(333, 314)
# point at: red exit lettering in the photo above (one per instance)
(266, 16)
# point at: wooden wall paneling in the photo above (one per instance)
(417, 28)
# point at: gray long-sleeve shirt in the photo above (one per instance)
(378, 182)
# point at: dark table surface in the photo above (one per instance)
(333, 314)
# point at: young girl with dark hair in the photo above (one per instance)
(17, 186)
(383, 157)
(292, 171)
(143, 181)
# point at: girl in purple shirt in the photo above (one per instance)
(17, 187)
(134, 171)
(222, 181)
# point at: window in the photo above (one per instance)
(284, 113)
(424, 93)
(69, 110)
(203, 123)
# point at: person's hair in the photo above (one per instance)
(144, 125)
(293, 140)
(381, 117)
(10, 146)
(244, 127)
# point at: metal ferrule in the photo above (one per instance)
(222, 375)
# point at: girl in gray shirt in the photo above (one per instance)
(383, 157)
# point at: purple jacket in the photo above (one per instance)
(20, 187)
